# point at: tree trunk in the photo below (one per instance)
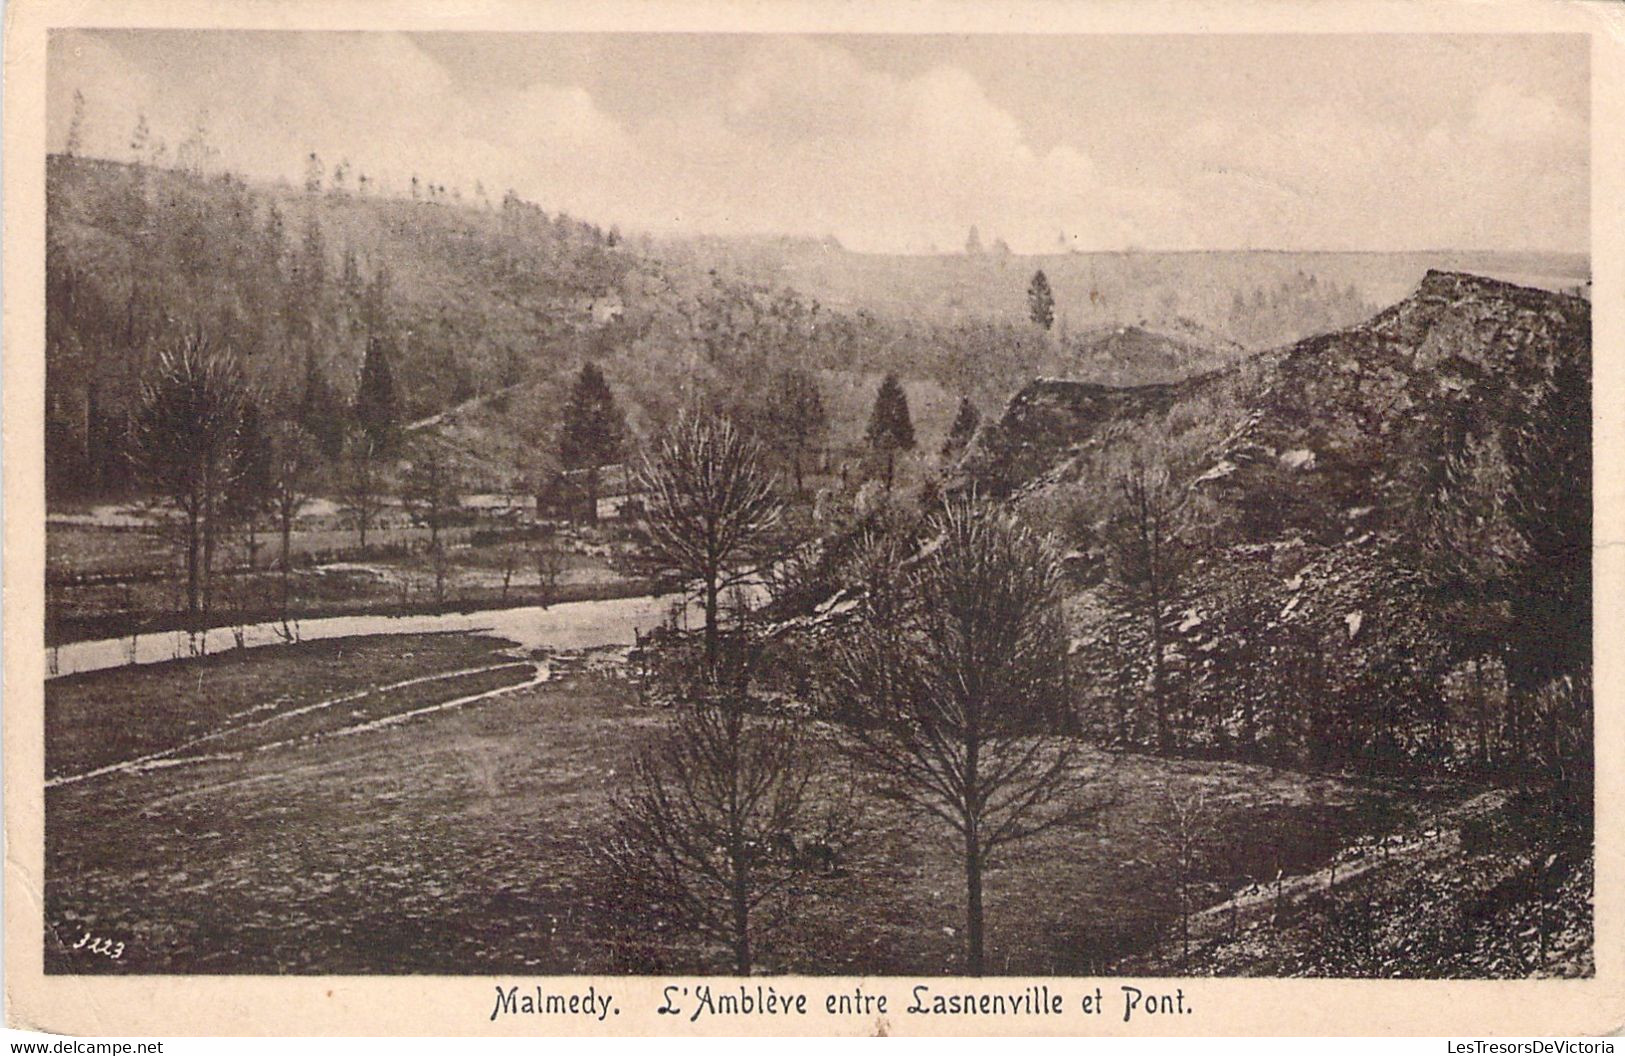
(1483, 709)
(741, 915)
(711, 592)
(93, 468)
(973, 858)
(208, 555)
(973, 903)
(1184, 924)
(1158, 696)
(287, 546)
(592, 495)
(796, 460)
(192, 568)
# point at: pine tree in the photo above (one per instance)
(795, 420)
(305, 301)
(1040, 301)
(319, 410)
(377, 410)
(273, 245)
(375, 302)
(248, 494)
(361, 482)
(956, 669)
(593, 434)
(185, 433)
(251, 488)
(964, 427)
(710, 507)
(294, 460)
(140, 139)
(350, 274)
(890, 428)
(76, 125)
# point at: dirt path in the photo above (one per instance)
(173, 756)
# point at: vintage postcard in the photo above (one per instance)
(682, 518)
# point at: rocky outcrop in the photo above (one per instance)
(1051, 418)
(1312, 585)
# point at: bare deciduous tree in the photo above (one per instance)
(549, 560)
(709, 506)
(361, 482)
(431, 492)
(957, 667)
(293, 461)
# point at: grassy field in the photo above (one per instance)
(128, 550)
(278, 812)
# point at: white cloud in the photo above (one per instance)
(809, 141)
(801, 137)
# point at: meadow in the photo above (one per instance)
(414, 804)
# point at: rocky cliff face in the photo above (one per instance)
(1312, 580)
(1051, 419)
(1342, 412)
(1364, 418)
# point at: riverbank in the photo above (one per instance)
(120, 624)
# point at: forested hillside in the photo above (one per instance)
(476, 300)
(296, 283)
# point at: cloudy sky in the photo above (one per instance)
(900, 143)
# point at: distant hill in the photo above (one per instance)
(1107, 288)
(490, 306)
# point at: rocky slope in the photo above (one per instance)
(1309, 475)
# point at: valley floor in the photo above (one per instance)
(434, 803)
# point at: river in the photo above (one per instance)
(569, 625)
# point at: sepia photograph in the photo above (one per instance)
(617, 504)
